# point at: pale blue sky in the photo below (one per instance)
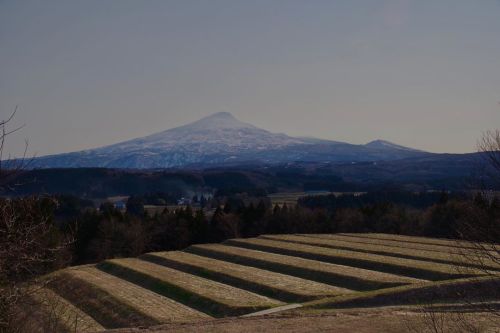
(423, 73)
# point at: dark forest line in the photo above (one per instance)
(441, 172)
(105, 232)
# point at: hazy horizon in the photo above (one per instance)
(423, 74)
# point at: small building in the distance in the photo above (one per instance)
(120, 205)
(184, 201)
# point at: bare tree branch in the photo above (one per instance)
(30, 243)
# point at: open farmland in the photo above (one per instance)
(279, 286)
(416, 240)
(288, 198)
(245, 276)
(212, 296)
(420, 269)
(340, 275)
(291, 198)
(159, 307)
(68, 316)
(359, 239)
(424, 292)
(440, 257)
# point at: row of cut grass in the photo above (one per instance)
(338, 275)
(393, 243)
(475, 289)
(160, 308)
(421, 240)
(408, 267)
(103, 307)
(275, 285)
(208, 296)
(439, 257)
(60, 315)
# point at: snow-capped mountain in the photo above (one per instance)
(222, 139)
(220, 132)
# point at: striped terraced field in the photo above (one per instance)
(243, 276)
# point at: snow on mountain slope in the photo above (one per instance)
(220, 139)
(220, 132)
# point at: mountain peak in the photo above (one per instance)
(221, 115)
(218, 120)
(379, 142)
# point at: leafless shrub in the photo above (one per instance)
(437, 317)
(489, 146)
(481, 230)
(11, 167)
(478, 229)
(30, 244)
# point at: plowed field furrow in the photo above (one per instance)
(420, 240)
(159, 307)
(103, 307)
(280, 286)
(393, 265)
(71, 318)
(339, 275)
(439, 257)
(393, 243)
(205, 295)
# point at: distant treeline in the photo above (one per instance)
(102, 183)
(108, 233)
(404, 198)
(255, 181)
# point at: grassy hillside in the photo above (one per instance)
(242, 276)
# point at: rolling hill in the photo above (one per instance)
(274, 273)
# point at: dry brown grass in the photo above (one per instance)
(206, 295)
(408, 267)
(418, 240)
(482, 289)
(243, 276)
(273, 284)
(353, 238)
(441, 257)
(386, 320)
(105, 308)
(158, 307)
(351, 277)
(62, 315)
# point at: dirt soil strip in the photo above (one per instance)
(393, 243)
(394, 265)
(69, 316)
(440, 257)
(273, 310)
(338, 275)
(283, 287)
(205, 295)
(159, 307)
(418, 240)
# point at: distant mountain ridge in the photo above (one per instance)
(222, 139)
